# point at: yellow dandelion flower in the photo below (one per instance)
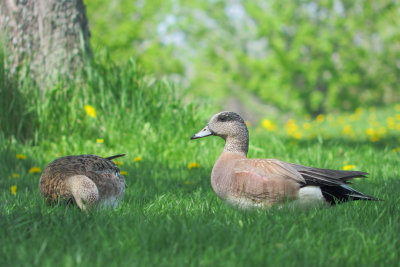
(290, 121)
(13, 189)
(291, 126)
(124, 172)
(137, 159)
(100, 140)
(391, 123)
(370, 131)
(292, 129)
(117, 162)
(20, 156)
(320, 118)
(15, 175)
(347, 130)
(297, 135)
(306, 126)
(193, 165)
(91, 111)
(348, 167)
(35, 170)
(268, 125)
(397, 149)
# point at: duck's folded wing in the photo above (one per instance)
(318, 176)
(302, 174)
(106, 175)
(100, 165)
(269, 168)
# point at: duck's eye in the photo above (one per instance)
(222, 118)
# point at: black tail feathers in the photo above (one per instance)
(343, 193)
(116, 156)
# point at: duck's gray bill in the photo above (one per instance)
(203, 133)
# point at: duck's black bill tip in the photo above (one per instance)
(194, 137)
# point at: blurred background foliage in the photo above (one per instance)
(302, 56)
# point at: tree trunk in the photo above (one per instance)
(49, 36)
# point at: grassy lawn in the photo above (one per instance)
(170, 215)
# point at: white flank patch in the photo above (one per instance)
(310, 196)
(311, 192)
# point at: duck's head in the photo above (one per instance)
(225, 124)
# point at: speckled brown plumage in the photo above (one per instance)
(55, 183)
(248, 183)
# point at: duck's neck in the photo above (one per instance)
(238, 143)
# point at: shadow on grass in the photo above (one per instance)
(149, 179)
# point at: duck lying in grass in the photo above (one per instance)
(250, 183)
(87, 180)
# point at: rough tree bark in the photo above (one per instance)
(52, 36)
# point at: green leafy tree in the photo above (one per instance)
(305, 56)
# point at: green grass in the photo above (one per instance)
(170, 215)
